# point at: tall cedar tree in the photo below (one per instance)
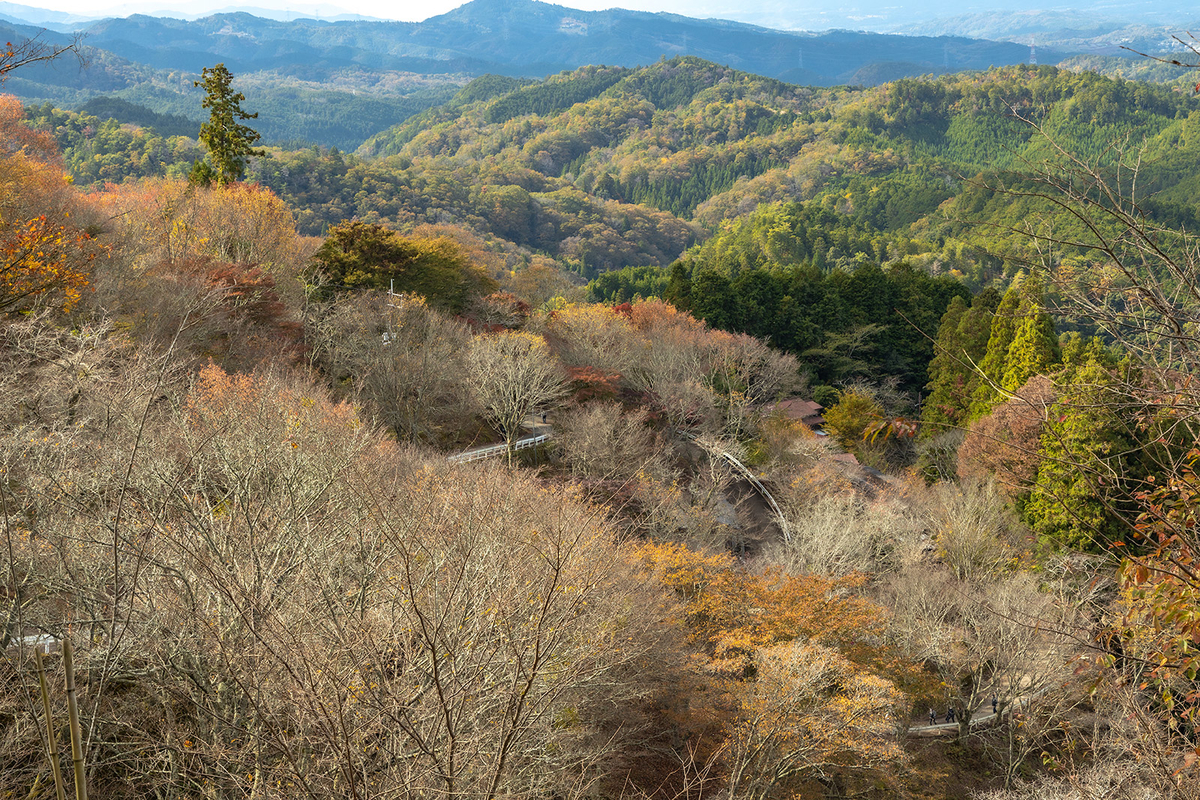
(1071, 505)
(953, 378)
(1004, 324)
(946, 378)
(1034, 346)
(228, 141)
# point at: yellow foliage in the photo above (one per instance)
(733, 612)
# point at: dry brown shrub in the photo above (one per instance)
(1005, 443)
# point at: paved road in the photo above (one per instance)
(980, 720)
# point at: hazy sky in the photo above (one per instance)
(391, 9)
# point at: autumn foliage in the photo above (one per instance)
(1005, 442)
(44, 258)
(42, 262)
(733, 612)
(1162, 592)
(810, 701)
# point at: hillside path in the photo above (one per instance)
(539, 432)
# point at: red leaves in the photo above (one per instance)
(898, 427)
(589, 383)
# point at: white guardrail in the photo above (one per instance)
(745, 472)
(498, 449)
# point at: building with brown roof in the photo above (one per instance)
(806, 411)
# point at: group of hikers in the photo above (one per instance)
(951, 715)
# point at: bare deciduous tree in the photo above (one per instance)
(35, 50)
(512, 374)
(1004, 444)
(269, 597)
(843, 533)
(401, 358)
(975, 530)
(1004, 638)
(600, 441)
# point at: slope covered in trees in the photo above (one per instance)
(604, 168)
(706, 144)
(224, 473)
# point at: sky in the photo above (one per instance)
(406, 10)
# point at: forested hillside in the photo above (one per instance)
(604, 170)
(864, 466)
(702, 144)
(336, 83)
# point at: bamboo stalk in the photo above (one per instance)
(51, 739)
(73, 711)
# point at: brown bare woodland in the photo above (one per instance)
(267, 598)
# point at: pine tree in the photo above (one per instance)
(941, 409)
(954, 377)
(229, 142)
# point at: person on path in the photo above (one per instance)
(994, 704)
(932, 717)
(949, 715)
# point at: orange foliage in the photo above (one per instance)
(17, 137)
(733, 612)
(43, 258)
(158, 221)
(653, 315)
(39, 259)
(247, 224)
(811, 712)
(802, 692)
(32, 181)
(589, 383)
(267, 416)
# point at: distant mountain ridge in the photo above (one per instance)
(337, 83)
(529, 38)
(1063, 29)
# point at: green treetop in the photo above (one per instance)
(1034, 345)
(364, 255)
(228, 141)
(940, 410)
(1071, 505)
(953, 376)
(1004, 323)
